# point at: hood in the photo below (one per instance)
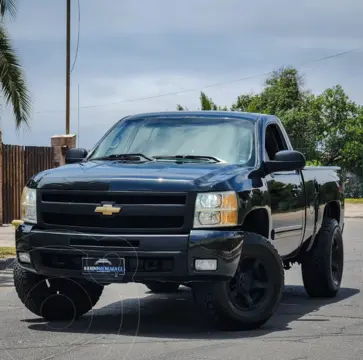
(149, 176)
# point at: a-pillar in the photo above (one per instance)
(60, 145)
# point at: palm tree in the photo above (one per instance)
(12, 81)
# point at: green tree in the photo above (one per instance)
(283, 91)
(339, 129)
(284, 96)
(327, 128)
(14, 88)
(245, 103)
(206, 103)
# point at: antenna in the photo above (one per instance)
(68, 65)
(78, 118)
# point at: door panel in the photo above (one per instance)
(287, 210)
(287, 198)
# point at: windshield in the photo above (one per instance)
(231, 140)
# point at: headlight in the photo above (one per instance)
(28, 205)
(216, 209)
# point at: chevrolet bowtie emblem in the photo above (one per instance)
(108, 209)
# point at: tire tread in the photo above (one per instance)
(27, 283)
(314, 265)
(216, 315)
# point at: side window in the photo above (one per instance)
(274, 141)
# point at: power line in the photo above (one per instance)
(339, 54)
(78, 33)
(207, 86)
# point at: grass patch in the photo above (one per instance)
(7, 251)
(354, 201)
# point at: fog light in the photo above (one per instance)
(24, 257)
(205, 264)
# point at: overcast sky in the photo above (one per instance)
(139, 48)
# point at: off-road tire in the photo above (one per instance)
(74, 297)
(214, 301)
(162, 287)
(317, 263)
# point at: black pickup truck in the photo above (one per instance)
(215, 201)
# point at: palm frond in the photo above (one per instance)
(12, 81)
(8, 7)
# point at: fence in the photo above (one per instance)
(19, 164)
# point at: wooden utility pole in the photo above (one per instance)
(68, 67)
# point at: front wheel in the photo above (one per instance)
(253, 294)
(322, 266)
(55, 298)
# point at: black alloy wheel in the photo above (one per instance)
(249, 287)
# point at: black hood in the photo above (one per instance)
(149, 176)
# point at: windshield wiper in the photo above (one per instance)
(189, 157)
(124, 157)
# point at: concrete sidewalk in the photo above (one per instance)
(7, 235)
(7, 231)
(354, 210)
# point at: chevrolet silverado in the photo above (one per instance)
(216, 201)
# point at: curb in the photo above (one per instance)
(353, 217)
(6, 264)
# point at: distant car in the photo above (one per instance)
(217, 201)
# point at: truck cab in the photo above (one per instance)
(216, 201)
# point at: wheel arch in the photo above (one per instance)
(258, 221)
(332, 210)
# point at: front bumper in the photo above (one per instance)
(147, 257)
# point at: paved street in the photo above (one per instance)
(129, 323)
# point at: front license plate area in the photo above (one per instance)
(103, 267)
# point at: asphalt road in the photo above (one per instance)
(129, 323)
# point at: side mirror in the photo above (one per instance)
(286, 160)
(74, 156)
